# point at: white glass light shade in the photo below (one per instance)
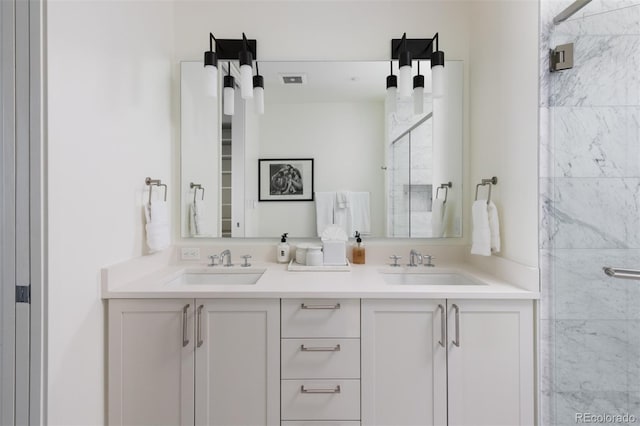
(211, 80)
(246, 82)
(418, 100)
(229, 95)
(405, 84)
(437, 81)
(258, 100)
(392, 93)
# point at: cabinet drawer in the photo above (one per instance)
(320, 358)
(320, 318)
(320, 399)
(319, 423)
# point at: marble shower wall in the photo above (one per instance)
(590, 213)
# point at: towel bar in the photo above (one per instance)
(629, 274)
(195, 193)
(490, 182)
(155, 182)
(446, 187)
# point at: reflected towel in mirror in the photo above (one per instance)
(437, 218)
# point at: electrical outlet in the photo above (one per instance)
(190, 253)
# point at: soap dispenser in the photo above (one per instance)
(283, 249)
(358, 250)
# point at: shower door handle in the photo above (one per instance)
(629, 274)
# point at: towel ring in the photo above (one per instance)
(195, 193)
(155, 182)
(490, 182)
(446, 187)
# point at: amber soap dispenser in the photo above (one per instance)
(358, 250)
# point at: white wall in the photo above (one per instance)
(504, 117)
(110, 124)
(336, 136)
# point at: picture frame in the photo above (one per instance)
(285, 179)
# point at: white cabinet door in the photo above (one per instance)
(491, 369)
(151, 369)
(237, 362)
(404, 367)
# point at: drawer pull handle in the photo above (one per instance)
(457, 341)
(305, 306)
(185, 339)
(320, 390)
(443, 331)
(199, 331)
(335, 348)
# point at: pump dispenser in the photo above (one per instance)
(283, 249)
(358, 250)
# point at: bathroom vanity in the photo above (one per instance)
(263, 346)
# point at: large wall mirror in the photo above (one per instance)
(241, 175)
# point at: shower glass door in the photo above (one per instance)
(590, 217)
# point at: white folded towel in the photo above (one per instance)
(437, 218)
(494, 227)
(324, 210)
(360, 213)
(342, 215)
(481, 235)
(342, 199)
(157, 227)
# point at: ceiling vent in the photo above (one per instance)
(293, 79)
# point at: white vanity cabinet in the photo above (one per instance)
(194, 361)
(455, 362)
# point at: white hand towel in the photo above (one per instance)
(481, 235)
(324, 210)
(437, 218)
(494, 227)
(157, 227)
(198, 219)
(360, 212)
(342, 199)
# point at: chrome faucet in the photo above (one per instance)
(226, 253)
(413, 255)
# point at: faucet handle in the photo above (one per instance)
(395, 260)
(246, 258)
(428, 258)
(213, 259)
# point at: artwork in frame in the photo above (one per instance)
(289, 179)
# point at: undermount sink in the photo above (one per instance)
(217, 277)
(404, 278)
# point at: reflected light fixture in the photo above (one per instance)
(229, 92)
(392, 90)
(246, 71)
(258, 92)
(418, 92)
(211, 69)
(437, 70)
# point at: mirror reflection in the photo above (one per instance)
(385, 166)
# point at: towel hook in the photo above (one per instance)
(492, 181)
(155, 182)
(446, 187)
(195, 193)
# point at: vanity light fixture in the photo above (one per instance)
(405, 50)
(246, 71)
(258, 92)
(418, 92)
(392, 90)
(211, 69)
(229, 92)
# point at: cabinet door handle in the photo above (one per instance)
(320, 390)
(443, 328)
(185, 339)
(335, 348)
(305, 306)
(457, 309)
(199, 323)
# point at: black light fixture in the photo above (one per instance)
(406, 50)
(243, 50)
(418, 92)
(392, 90)
(258, 91)
(229, 91)
(211, 69)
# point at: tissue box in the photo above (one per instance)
(335, 252)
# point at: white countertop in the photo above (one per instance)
(362, 281)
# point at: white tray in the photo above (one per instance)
(294, 266)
